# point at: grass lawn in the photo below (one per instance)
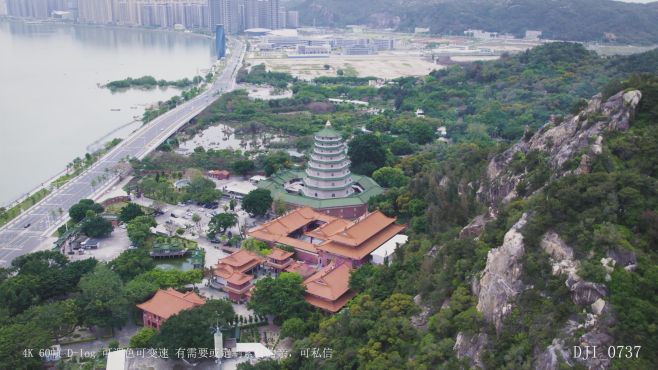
(115, 209)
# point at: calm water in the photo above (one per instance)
(51, 109)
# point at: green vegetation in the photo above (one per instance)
(162, 107)
(220, 222)
(182, 331)
(139, 230)
(149, 82)
(281, 298)
(130, 211)
(433, 188)
(258, 75)
(257, 202)
(597, 20)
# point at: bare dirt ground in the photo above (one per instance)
(388, 66)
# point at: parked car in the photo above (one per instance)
(27, 225)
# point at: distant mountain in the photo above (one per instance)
(578, 20)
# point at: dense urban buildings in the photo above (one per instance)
(35, 8)
(235, 15)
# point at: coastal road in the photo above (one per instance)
(17, 238)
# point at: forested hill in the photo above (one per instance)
(579, 20)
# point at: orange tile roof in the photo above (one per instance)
(329, 283)
(279, 254)
(301, 268)
(363, 229)
(231, 274)
(166, 303)
(333, 306)
(289, 222)
(241, 261)
(365, 248)
(354, 239)
(330, 228)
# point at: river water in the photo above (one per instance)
(51, 108)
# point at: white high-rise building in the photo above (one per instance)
(292, 19)
(96, 11)
(225, 12)
(3, 7)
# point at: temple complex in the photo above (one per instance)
(320, 239)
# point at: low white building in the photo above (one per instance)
(238, 189)
(384, 254)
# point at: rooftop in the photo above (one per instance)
(166, 303)
(329, 287)
(275, 184)
(354, 239)
(234, 267)
(279, 254)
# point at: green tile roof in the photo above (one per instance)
(275, 185)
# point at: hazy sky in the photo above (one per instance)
(637, 1)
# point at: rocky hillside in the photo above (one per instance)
(585, 262)
(561, 147)
(582, 20)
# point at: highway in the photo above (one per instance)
(45, 216)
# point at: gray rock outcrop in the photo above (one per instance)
(577, 137)
(471, 347)
(500, 281)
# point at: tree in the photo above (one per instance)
(79, 211)
(274, 161)
(294, 328)
(139, 229)
(254, 245)
(243, 167)
(193, 328)
(220, 222)
(131, 263)
(101, 300)
(202, 190)
(170, 278)
(282, 297)
(139, 290)
(143, 338)
(57, 318)
(367, 154)
(257, 202)
(130, 212)
(390, 177)
(16, 340)
(96, 227)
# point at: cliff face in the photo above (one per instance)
(578, 137)
(500, 282)
(575, 140)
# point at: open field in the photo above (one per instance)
(390, 65)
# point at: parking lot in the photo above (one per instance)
(109, 248)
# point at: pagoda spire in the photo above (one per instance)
(328, 173)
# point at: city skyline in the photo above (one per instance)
(235, 15)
